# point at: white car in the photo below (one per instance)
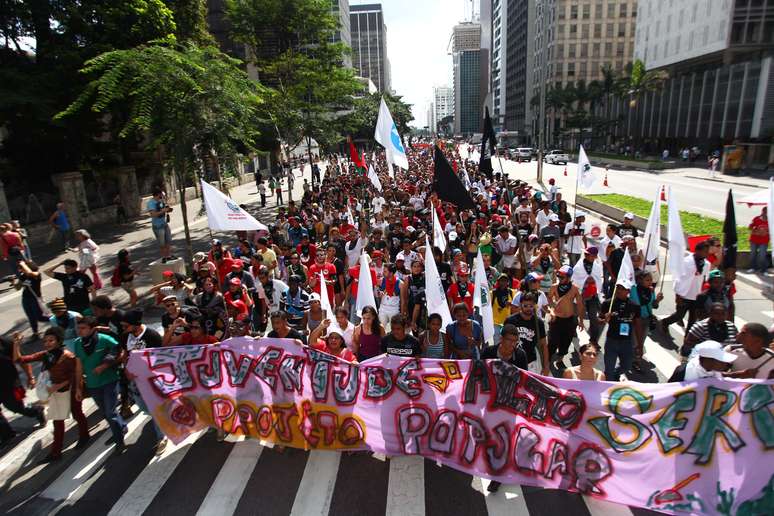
(556, 156)
(523, 154)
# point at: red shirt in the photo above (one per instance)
(761, 225)
(186, 338)
(312, 253)
(344, 353)
(354, 274)
(329, 273)
(464, 297)
(224, 268)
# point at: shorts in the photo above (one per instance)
(163, 235)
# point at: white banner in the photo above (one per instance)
(223, 214)
(434, 293)
(483, 300)
(386, 134)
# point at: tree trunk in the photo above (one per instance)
(180, 168)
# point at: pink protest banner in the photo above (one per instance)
(695, 448)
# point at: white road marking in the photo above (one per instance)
(68, 485)
(599, 507)
(315, 491)
(507, 501)
(768, 313)
(664, 361)
(224, 494)
(149, 482)
(406, 486)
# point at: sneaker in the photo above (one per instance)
(119, 449)
(559, 365)
(160, 446)
(493, 486)
(750, 271)
(83, 443)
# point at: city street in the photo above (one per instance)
(204, 476)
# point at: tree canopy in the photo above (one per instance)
(361, 121)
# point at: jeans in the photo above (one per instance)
(758, 258)
(592, 312)
(144, 408)
(617, 348)
(10, 402)
(106, 398)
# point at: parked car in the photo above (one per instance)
(556, 156)
(522, 154)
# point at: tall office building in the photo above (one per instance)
(443, 105)
(466, 56)
(369, 44)
(574, 39)
(340, 10)
(518, 30)
(718, 57)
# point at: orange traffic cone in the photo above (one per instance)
(604, 183)
(565, 171)
(663, 193)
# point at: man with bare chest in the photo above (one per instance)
(567, 311)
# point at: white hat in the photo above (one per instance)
(713, 349)
(452, 235)
(629, 215)
(553, 217)
(580, 213)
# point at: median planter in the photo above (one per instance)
(615, 206)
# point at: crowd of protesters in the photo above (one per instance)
(548, 280)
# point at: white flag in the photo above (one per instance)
(652, 234)
(350, 218)
(386, 134)
(626, 272)
(466, 178)
(439, 237)
(223, 214)
(770, 211)
(585, 174)
(374, 178)
(434, 294)
(482, 299)
(675, 236)
(325, 303)
(365, 287)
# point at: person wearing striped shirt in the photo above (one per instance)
(715, 327)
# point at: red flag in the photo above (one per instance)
(353, 155)
(454, 166)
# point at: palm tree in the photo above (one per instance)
(639, 82)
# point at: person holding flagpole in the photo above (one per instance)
(688, 286)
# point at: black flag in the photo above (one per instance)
(447, 184)
(729, 234)
(487, 146)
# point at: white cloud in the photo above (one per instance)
(418, 33)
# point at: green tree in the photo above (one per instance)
(292, 45)
(361, 121)
(37, 83)
(193, 101)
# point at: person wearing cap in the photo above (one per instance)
(240, 271)
(587, 276)
(65, 319)
(532, 334)
(295, 302)
(626, 228)
(531, 283)
(575, 237)
(565, 313)
(137, 336)
(98, 357)
(237, 291)
(76, 285)
(755, 358)
(553, 190)
(61, 365)
(708, 360)
(715, 327)
(620, 315)
(716, 291)
(545, 263)
(551, 233)
(328, 271)
(333, 343)
(159, 211)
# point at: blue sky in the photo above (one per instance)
(418, 34)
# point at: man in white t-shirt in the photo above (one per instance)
(377, 203)
(507, 245)
(688, 286)
(754, 359)
(575, 238)
(543, 216)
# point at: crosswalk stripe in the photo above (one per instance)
(69, 482)
(316, 488)
(405, 488)
(146, 486)
(12, 461)
(768, 313)
(739, 322)
(507, 501)
(599, 507)
(223, 497)
(664, 361)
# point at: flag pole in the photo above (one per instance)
(663, 274)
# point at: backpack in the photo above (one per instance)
(115, 279)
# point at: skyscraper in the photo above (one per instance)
(340, 9)
(466, 55)
(443, 102)
(369, 44)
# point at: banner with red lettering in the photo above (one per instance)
(703, 447)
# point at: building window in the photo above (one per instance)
(574, 12)
(585, 31)
(620, 49)
(597, 30)
(610, 30)
(622, 30)
(608, 50)
(560, 51)
(586, 12)
(610, 10)
(599, 11)
(570, 69)
(571, 50)
(583, 70)
(573, 31)
(584, 50)
(623, 11)
(560, 30)
(595, 50)
(560, 12)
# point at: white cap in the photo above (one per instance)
(553, 217)
(452, 235)
(713, 349)
(629, 215)
(580, 213)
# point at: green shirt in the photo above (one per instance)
(105, 345)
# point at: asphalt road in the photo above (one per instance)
(206, 477)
